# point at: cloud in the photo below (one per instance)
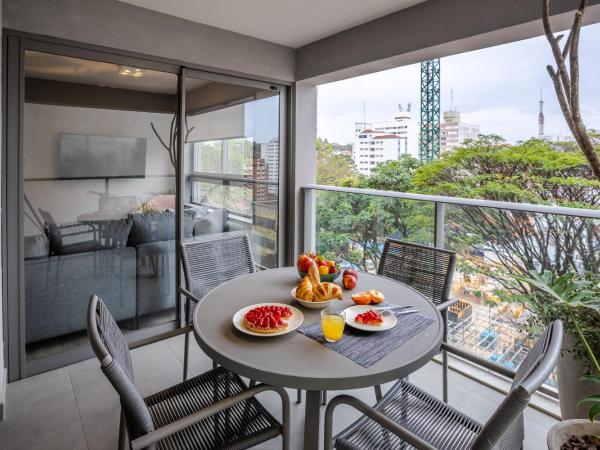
(497, 88)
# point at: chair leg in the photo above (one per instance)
(299, 396)
(252, 383)
(378, 394)
(123, 444)
(215, 365)
(445, 359)
(186, 356)
(323, 398)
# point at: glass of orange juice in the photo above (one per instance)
(333, 321)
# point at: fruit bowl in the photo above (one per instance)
(329, 278)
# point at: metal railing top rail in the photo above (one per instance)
(526, 207)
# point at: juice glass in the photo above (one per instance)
(332, 321)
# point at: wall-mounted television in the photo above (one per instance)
(83, 156)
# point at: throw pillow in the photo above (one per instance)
(157, 226)
(36, 246)
(213, 222)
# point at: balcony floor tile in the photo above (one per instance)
(76, 408)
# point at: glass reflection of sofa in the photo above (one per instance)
(130, 263)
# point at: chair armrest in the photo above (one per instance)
(373, 414)
(447, 304)
(174, 427)
(510, 373)
(188, 294)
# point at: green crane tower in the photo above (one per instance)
(429, 142)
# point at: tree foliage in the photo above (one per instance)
(494, 242)
(333, 168)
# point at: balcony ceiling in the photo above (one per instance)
(293, 23)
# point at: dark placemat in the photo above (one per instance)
(367, 348)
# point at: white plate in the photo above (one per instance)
(389, 321)
(293, 322)
(313, 305)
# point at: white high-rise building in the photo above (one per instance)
(269, 151)
(385, 141)
(453, 132)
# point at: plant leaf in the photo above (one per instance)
(590, 398)
(594, 411)
(592, 378)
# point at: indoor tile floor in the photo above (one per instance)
(76, 408)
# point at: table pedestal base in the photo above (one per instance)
(312, 420)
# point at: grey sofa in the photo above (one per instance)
(134, 272)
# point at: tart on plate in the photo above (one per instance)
(370, 317)
(267, 319)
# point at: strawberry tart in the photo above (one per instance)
(267, 319)
(369, 317)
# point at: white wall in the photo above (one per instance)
(67, 199)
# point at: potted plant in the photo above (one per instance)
(575, 300)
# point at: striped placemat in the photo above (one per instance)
(367, 348)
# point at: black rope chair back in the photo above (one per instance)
(112, 350)
(212, 260)
(429, 270)
(504, 429)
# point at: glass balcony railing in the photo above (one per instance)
(492, 240)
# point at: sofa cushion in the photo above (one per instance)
(89, 236)
(158, 226)
(36, 246)
(213, 222)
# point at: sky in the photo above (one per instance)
(497, 88)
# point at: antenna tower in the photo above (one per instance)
(541, 117)
(429, 146)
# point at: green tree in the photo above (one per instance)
(355, 226)
(333, 168)
(533, 172)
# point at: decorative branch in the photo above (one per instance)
(566, 83)
(171, 147)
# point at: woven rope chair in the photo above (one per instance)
(409, 418)
(209, 261)
(429, 270)
(215, 410)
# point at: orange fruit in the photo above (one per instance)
(361, 298)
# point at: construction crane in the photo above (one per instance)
(429, 142)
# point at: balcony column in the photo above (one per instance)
(303, 167)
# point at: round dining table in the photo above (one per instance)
(296, 361)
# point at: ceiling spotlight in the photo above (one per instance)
(130, 71)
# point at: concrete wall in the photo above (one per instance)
(428, 30)
(118, 25)
(303, 159)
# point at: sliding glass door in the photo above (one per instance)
(98, 198)
(232, 159)
(96, 191)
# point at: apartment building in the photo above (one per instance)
(376, 143)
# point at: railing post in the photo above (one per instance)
(310, 220)
(439, 242)
(439, 234)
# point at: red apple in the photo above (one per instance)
(303, 263)
(349, 282)
(351, 272)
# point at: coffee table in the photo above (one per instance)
(296, 361)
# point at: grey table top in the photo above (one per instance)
(294, 360)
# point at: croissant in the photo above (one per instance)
(304, 291)
(313, 274)
(327, 291)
